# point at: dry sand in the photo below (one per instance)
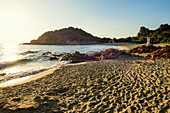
(129, 46)
(13, 82)
(103, 86)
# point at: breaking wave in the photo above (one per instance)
(12, 63)
(29, 52)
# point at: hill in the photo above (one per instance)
(68, 36)
(160, 35)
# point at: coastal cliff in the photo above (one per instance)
(67, 36)
(159, 35)
(76, 36)
(145, 31)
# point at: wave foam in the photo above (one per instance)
(11, 63)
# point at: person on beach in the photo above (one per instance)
(148, 41)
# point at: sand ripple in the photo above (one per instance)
(103, 86)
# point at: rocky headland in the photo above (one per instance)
(77, 36)
(145, 31)
(159, 35)
(68, 36)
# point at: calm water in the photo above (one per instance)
(24, 60)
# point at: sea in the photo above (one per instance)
(18, 60)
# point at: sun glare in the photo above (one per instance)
(10, 52)
(11, 23)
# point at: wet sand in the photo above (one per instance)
(126, 46)
(133, 85)
(23, 80)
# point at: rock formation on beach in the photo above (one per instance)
(144, 49)
(153, 52)
(96, 56)
(160, 53)
(156, 52)
(67, 36)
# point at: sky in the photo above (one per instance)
(24, 20)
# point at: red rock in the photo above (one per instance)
(53, 58)
(144, 49)
(160, 53)
(103, 55)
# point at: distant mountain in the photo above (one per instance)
(68, 36)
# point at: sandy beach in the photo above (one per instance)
(85, 56)
(129, 46)
(127, 85)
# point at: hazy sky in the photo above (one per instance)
(23, 20)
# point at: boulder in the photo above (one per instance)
(144, 49)
(103, 55)
(59, 55)
(53, 58)
(47, 53)
(75, 57)
(2, 74)
(160, 53)
(76, 60)
(109, 54)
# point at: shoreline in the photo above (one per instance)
(102, 86)
(18, 81)
(27, 79)
(119, 85)
(129, 46)
(22, 80)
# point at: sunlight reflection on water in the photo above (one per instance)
(9, 52)
(25, 60)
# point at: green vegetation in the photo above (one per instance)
(156, 36)
(76, 36)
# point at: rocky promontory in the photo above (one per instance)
(67, 36)
(145, 31)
